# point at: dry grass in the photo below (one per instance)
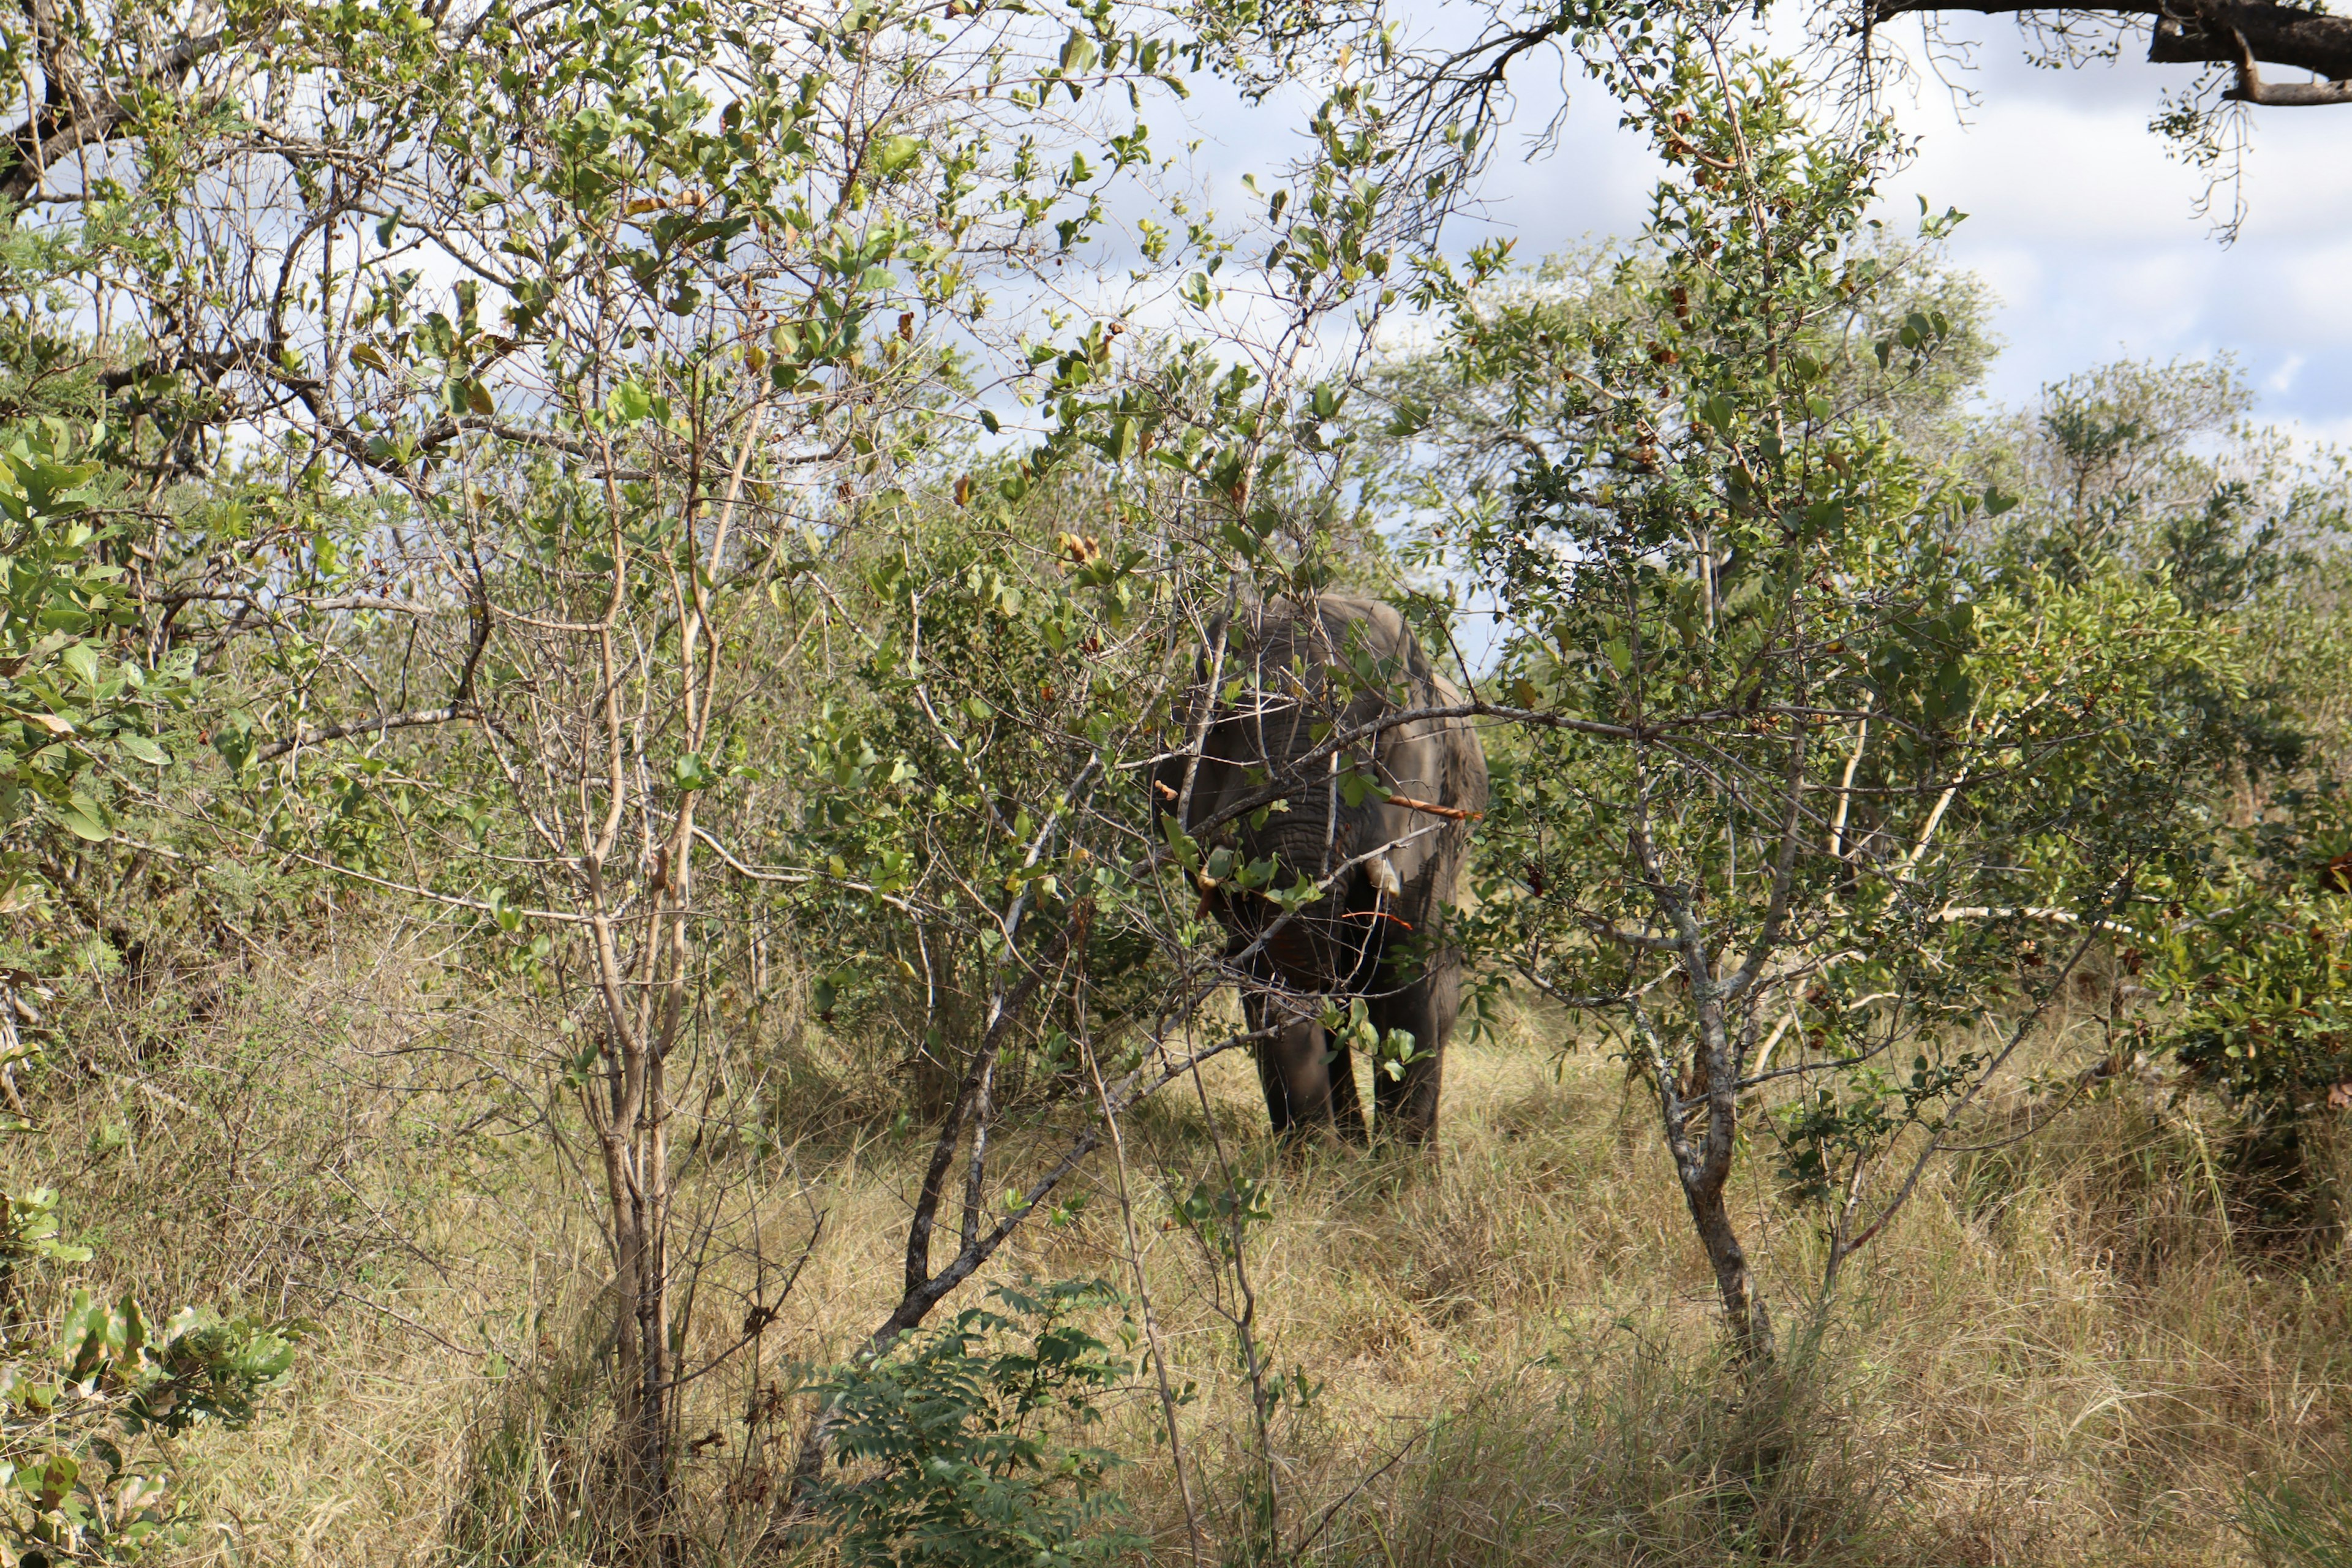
(2064, 1353)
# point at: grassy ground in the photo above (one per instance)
(2067, 1351)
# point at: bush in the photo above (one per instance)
(2255, 968)
(950, 1455)
(73, 1396)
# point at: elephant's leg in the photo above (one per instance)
(1272, 1049)
(1305, 1085)
(1423, 1006)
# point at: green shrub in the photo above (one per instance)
(77, 1392)
(2252, 974)
(954, 1453)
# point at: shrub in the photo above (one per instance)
(2255, 975)
(75, 1397)
(951, 1454)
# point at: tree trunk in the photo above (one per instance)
(1744, 1312)
(949, 1031)
(1703, 1166)
(636, 1184)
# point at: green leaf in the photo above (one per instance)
(85, 818)
(630, 403)
(82, 659)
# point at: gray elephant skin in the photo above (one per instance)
(1379, 932)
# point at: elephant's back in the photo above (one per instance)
(1322, 627)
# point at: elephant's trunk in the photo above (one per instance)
(1321, 945)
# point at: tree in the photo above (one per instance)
(2151, 470)
(626, 390)
(2154, 470)
(627, 483)
(1446, 428)
(706, 266)
(1817, 806)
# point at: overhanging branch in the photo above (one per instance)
(2245, 33)
(75, 116)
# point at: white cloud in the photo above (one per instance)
(2088, 229)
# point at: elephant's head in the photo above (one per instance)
(1294, 676)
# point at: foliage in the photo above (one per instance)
(2151, 470)
(679, 540)
(75, 1394)
(1808, 791)
(965, 771)
(2148, 472)
(1449, 426)
(79, 709)
(2253, 967)
(676, 501)
(610, 511)
(953, 1451)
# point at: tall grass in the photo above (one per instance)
(2076, 1348)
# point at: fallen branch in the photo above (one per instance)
(1451, 813)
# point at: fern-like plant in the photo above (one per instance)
(960, 1450)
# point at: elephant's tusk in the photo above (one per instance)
(1384, 875)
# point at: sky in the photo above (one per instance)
(2086, 231)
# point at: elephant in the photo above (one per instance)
(1281, 678)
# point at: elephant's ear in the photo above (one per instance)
(1471, 760)
(1465, 755)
